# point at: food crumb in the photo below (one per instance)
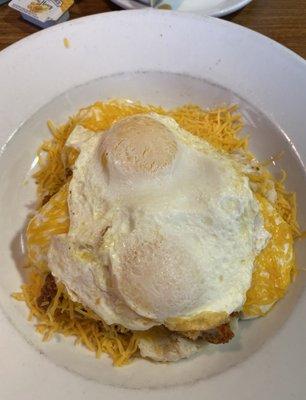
(66, 43)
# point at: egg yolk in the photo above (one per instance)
(138, 144)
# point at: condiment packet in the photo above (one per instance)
(43, 13)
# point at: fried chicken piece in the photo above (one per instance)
(47, 293)
(165, 346)
(219, 335)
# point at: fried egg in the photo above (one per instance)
(164, 229)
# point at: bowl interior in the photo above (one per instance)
(17, 195)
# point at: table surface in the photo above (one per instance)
(281, 20)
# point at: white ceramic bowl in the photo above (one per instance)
(215, 8)
(167, 59)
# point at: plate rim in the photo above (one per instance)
(14, 46)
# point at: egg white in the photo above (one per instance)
(162, 225)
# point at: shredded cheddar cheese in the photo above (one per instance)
(52, 219)
(72, 319)
(274, 266)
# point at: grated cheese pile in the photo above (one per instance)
(274, 270)
(72, 319)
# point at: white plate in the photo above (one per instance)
(214, 8)
(150, 56)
